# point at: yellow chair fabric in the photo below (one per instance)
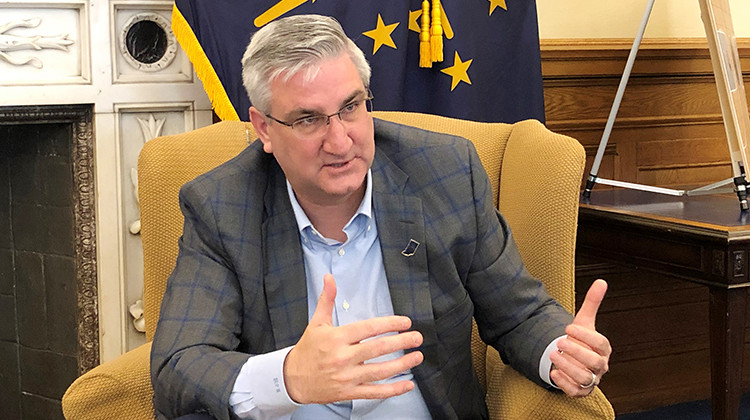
(535, 176)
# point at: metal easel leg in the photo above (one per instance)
(592, 179)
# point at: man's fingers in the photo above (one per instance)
(373, 372)
(373, 327)
(323, 314)
(568, 385)
(378, 391)
(574, 372)
(589, 338)
(370, 349)
(586, 316)
(361, 381)
(584, 356)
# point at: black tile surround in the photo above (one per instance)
(48, 314)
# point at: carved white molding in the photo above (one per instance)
(151, 129)
(136, 124)
(174, 66)
(44, 43)
(171, 47)
(136, 311)
(13, 42)
(135, 226)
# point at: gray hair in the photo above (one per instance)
(287, 46)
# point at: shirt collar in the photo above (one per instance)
(303, 222)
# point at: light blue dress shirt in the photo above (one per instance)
(362, 293)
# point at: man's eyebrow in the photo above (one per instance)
(303, 112)
(351, 97)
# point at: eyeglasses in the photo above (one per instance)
(317, 125)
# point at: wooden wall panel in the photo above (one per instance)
(669, 130)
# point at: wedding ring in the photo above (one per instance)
(592, 383)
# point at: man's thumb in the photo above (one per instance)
(324, 311)
(586, 316)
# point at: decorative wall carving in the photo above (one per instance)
(44, 43)
(138, 123)
(144, 49)
(16, 42)
(151, 129)
(83, 168)
(147, 42)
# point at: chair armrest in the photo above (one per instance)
(119, 389)
(510, 396)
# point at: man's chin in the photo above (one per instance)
(345, 187)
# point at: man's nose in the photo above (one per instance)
(337, 139)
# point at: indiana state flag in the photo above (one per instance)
(490, 69)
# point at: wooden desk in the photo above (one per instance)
(704, 239)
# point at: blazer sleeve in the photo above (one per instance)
(513, 311)
(194, 362)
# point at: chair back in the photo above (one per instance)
(164, 165)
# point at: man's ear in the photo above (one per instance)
(260, 123)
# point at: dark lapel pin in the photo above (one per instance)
(411, 248)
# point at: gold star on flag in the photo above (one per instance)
(381, 35)
(414, 20)
(459, 71)
(495, 3)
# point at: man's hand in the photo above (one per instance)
(328, 363)
(583, 357)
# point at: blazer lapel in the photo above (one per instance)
(401, 232)
(401, 228)
(284, 280)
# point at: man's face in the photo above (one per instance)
(329, 167)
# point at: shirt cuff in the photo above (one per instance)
(546, 364)
(259, 390)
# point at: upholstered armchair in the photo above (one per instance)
(535, 172)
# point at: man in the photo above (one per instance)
(332, 269)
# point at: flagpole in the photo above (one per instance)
(592, 179)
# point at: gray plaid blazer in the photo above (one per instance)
(239, 288)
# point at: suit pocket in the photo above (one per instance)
(454, 330)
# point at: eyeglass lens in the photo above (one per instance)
(316, 124)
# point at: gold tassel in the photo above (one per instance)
(425, 54)
(436, 41)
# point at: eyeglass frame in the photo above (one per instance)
(366, 100)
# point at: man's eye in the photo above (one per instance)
(350, 108)
(308, 121)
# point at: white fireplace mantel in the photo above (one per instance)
(71, 52)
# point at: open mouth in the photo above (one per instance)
(338, 164)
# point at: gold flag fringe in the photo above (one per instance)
(203, 68)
